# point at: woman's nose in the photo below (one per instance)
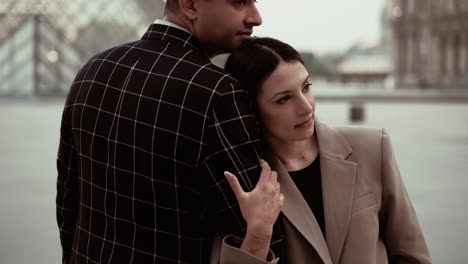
(305, 106)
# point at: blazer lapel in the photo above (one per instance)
(338, 184)
(297, 211)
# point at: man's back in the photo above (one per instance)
(147, 130)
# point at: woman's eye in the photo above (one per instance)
(283, 100)
(306, 87)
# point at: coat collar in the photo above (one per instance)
(338, 181)
(173, 35)
(338, 184)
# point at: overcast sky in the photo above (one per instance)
(320, 25)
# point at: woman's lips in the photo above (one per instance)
(304, 124)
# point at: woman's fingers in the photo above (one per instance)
(281, 200)
(235, 185)
(265, 173)
(261, 206)
(273, 176)
(279, 194)
(277, 187)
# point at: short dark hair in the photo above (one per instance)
(172, 5)
(255, 60)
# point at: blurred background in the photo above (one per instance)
(396, 64)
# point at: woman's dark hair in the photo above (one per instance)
(256, 59)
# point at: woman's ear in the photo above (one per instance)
(189, 8)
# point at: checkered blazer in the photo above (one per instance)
(147, 130)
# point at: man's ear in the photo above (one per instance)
(189, 8)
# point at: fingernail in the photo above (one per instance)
(227, 173)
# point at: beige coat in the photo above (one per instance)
(369, 217)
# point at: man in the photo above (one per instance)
(147, 130)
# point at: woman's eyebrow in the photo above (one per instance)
(281, 92)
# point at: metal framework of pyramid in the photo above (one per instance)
(43, 43)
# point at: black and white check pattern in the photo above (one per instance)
(147, 131)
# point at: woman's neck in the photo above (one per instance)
(295, 155)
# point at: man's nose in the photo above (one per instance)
(253, 17)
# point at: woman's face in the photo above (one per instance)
(286, 104)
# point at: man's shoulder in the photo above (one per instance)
(226, 80)
(202, 71)
(112, 49)
(184, 64)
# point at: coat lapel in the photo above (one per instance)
(338, 184)
(297, 211)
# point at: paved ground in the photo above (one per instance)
(431, 144)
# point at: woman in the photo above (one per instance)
(344, 199)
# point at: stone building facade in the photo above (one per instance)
(431, 42)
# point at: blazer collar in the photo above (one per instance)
(338, 181)
(174, 35)
(338, 184)
(297, 211)
(331, 143)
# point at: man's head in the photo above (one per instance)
(220, 25)
(172, 6)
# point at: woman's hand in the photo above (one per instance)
(260, 207)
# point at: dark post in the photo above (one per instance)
(356, 112)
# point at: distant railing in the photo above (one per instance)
(333, 92)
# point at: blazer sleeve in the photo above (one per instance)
(226, 250)
(67, 197)
(232, 146)
(402, 233)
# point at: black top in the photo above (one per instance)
(308, 181)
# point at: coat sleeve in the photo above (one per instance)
(233, 146)
(402, 233)
(226, 250)
(67, 197)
